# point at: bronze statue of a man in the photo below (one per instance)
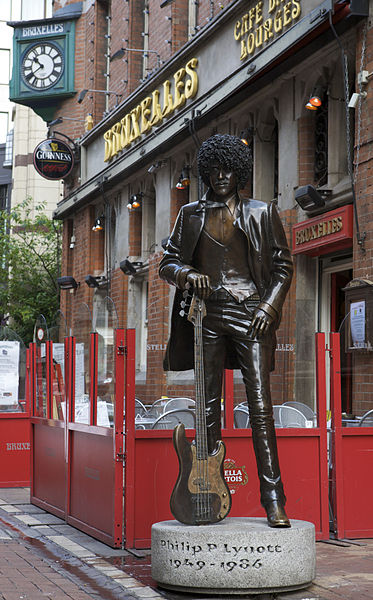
(234, 253)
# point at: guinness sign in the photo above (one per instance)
(53, 159)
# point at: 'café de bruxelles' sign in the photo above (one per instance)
(152, 110)
(263, 22)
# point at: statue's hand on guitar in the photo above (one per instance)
(200, 284)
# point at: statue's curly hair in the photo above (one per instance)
(228, 151)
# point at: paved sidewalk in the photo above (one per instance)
(41, 557)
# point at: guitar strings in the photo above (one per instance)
(203, 498)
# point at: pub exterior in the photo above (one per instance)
(250, 69)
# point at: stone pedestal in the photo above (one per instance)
(237, 556)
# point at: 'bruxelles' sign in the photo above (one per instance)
(53, 159)
(152, 110)
(263, 22)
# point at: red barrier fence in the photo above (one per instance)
(83, 466)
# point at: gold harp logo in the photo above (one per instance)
(54, 146)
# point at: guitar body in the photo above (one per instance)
(191, 503)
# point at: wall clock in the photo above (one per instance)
(42, 66)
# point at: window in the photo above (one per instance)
(8, 159)
(4, 66)
(3, 126)
(3, 196)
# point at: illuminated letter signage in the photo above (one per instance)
(152, 110)
(263, 22)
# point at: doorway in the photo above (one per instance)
(336, 274)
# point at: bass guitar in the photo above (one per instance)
(201, 494)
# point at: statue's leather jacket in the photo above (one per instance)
(269, 263)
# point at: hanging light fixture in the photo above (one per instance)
(135, 201)
(184, 179)
(315, 100)
(99, 224)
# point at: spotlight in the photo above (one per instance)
(128, 267)
(135, 201)
(315, 99)
(309, 198)
(95, 282)
(99, 224)
(184, 180)
(67, 283)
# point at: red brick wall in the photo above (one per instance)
(306, 145)
(362, 366)
(135, 225)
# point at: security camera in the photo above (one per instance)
(355, 99)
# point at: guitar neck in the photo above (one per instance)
(201, 427)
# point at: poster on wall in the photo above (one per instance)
(9, 374)
(79, 372)
(357, 321)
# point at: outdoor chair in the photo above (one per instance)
(303, 408)
(241, 417)
(291, 417)
(182, 403)
(276, 415)
(367, 419)
(157, 408)
(140, 409)
(170, 419)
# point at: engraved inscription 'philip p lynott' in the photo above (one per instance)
(235, 557)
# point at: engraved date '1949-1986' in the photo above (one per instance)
(234, 560)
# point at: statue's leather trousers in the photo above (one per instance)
(227, 323)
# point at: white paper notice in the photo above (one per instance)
(357, 321)
(9, 372)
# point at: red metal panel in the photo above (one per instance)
(352, 459)
(228, 399)
(48, 465)
(357, 467)
(119, 437)
(322, 422)
(93, 362)
(15, 450)
(129, 500)
(49, 377)
(92, 481)
(336, 446)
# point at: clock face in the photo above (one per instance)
(42, 66)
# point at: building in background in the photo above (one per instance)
(154, 78)
(20, 128)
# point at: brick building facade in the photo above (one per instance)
(254, 67)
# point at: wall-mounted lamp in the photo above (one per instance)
(107, 92)
(128, 267)
(95, 282)
(99, 224)
(135, 201)
(354, 100)
(309, 198)
(315, 100)
(184, 179)
(67, 283)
